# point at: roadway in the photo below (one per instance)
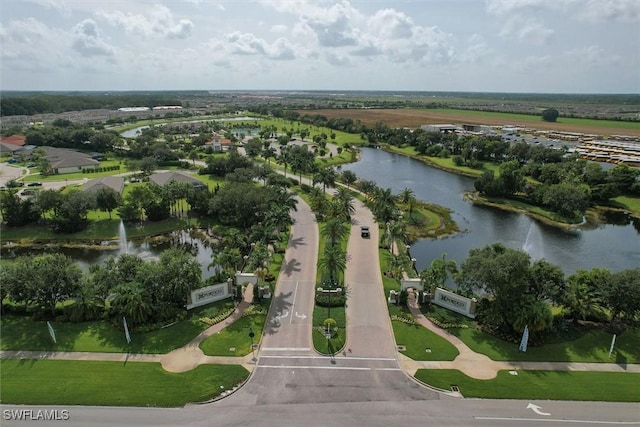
(293, 385)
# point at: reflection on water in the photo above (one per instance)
(148, 249)
(613, 244)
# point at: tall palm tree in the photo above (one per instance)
(345, 199)
(384, 206)
(334, 262)
(326, 176)
(334, 230)
(405, 195)
(442, 268)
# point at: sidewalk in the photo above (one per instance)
(477, 365)
(179, 360)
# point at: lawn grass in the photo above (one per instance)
(22, 333)
(62, 382)
(234, 339)
(590, 346)
(422, 344)
(538, 385)
(628, 203)
(77, 175)
(337, 342)
(576, 344)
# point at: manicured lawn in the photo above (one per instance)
(22, 333)
(574, 345)
(61, 382)
(234, 340)
(538, 385)
(421, 343)
(629, 203)
(79, 175)
(320, 342)
(590, 346)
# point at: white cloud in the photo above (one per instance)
(160, 22)
(527, 30)
(23, 43)
(87, 40)
(278, 29)
(611, 10)
(391, 24)
(248, 44)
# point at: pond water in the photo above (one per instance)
(147, 249)
(614, 245)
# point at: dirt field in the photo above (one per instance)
(416, 118)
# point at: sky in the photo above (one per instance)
(548, 46)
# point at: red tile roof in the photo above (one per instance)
(13, 139)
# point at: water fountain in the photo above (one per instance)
(533, 244)
(124, 243)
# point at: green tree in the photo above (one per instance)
(132, 301)
(72, 214)
(334, 230)
(550, 114)
(333, 262)
(348, 177)
(107, 199)
(622, 297)
(55, 278)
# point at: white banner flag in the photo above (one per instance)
(126, 330)
(52, 333)
(613, 342)
(525, 339)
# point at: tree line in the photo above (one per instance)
(40, 103)
(517, 292)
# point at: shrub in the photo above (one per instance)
(333, 301)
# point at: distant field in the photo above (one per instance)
(413, 118)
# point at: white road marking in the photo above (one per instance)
(285, 349)
(325, 357)
(560, 422)
(536, 409)
(346, 368)
(293, 304)
(300, 316)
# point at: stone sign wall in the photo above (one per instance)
(455, 302)
(209, 294)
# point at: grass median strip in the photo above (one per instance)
(58, 382)
(554, 385)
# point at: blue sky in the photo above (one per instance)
(568, 46)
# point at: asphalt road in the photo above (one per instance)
(292, 385)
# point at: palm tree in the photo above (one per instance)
(334, 230)
(334, 262)
(229, 260)
(345, 199)
(405, 195)
(325, 176)
(395, 230)
(384, 207)
(317, 201)
(283, 197)
(442, 268)
(580, 300)
(132, 302)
